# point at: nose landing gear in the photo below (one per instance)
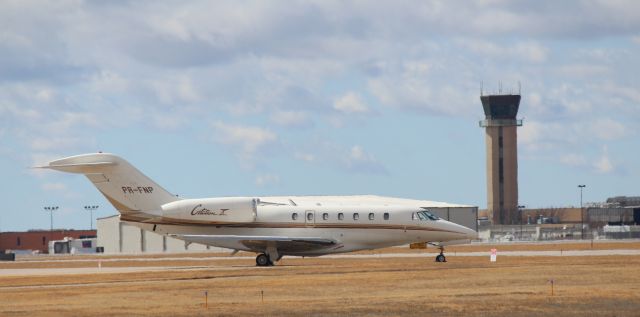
(440, 257)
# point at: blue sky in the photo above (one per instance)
(314, 97)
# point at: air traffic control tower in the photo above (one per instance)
(502, 156)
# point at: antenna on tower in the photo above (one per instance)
(481, 88)
(519, 88)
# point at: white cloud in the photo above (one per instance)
(168, 121)
(603, 164)
(543, 135)
(247, 137)
(106, 81)
(529, 51)
(608, 129)
(583, 70)
(23, 115)
(307, 157)
(267, 180)
(54, 187)
(290, 118)
(55, 143)
(359, 161)
(572, 159)
(354, 159)
(248, 141)
(70, 120)
(407, 87)
(175, 90)
(531, 134)
(630, 93)
(45, 95)
(350, 103)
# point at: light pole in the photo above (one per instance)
(520, 208)
(51, 209)
(581, 212)
(91, 209)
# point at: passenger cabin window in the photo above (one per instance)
(386, 216)
(325, 216)
(340, 216)
(310, 216)
(425, 215)
(356, 216)
(294, 216)
(371, 216)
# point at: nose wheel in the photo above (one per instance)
(440, 257)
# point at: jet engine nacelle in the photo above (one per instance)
(236, 209)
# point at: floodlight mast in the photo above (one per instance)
(581, 213)
(51, 209)
(91, 208)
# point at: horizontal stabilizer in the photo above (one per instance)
(78, 167)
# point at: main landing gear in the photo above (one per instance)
(440, 257)
(269, 257)
(263, 260)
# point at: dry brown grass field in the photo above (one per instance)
(402, 286)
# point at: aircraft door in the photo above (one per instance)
(310, 217)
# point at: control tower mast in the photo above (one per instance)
(502, 156)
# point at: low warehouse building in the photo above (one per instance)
(37, 241)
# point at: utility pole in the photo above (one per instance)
(91, 209)
(581, 212)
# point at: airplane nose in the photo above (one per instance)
(471, 234)
(467, 232)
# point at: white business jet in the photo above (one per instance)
(270, 226)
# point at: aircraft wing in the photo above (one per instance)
(285, 245)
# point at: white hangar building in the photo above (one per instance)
(116, 236)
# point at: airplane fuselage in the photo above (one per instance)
(354, 228)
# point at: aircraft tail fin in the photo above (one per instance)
(126, 188)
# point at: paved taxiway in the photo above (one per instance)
(590, 279)
(94, 266)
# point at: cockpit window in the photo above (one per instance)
(425, 215)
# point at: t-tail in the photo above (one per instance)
(127, 189)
